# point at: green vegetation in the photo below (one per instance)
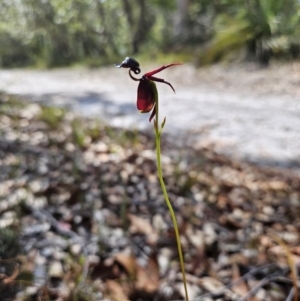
(52, 115)
(264, 28)
(96, 32)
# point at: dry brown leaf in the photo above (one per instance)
(266, 241)
(211, 284)
(128, 262)
(254, 299)
(238, 258)
(144, 278)
(222, 201)
(141, 226)
(116, 291)
(277, 185)
(241, 286)
(148, 277)
(280, 252)
(296, 250)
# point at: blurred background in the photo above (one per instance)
(52, 33)
(82, 215)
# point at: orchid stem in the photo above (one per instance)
(158, 130)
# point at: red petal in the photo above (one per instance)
(145, 95)
(160, 80)
(161, 68)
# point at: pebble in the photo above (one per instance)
(7, 219)
(56, 269)
(76, 249)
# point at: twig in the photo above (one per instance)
(45, 215)
(292, 266)
(263, 282)
(254, 290)
(8, 279)
(245, 276)
(291, 294)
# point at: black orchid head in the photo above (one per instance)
(131, 63)
(147, 93)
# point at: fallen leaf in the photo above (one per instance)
(212, 285)
(148, 277)
(116, 291)
(240, 287)
(128, 262)
(141, 226)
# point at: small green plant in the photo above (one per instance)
(148, 102)
(52, 116)
(9, 243)
(79, 134)
(94, 130)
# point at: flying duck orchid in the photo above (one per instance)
(147, 92)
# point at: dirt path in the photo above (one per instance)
(242, 111)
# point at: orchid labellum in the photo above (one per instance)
(147, 93)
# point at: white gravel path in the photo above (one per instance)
(242, 112)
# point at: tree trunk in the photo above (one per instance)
(106, 34)
(179, 28)
(142, 28)
(139, 26)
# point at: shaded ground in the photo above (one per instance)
(82, 216)
(241, 111)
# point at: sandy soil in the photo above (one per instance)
(242, 111)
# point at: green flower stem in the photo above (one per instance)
(158, 130)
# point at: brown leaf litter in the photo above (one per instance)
(83, 205)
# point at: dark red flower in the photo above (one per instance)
(147, 93)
